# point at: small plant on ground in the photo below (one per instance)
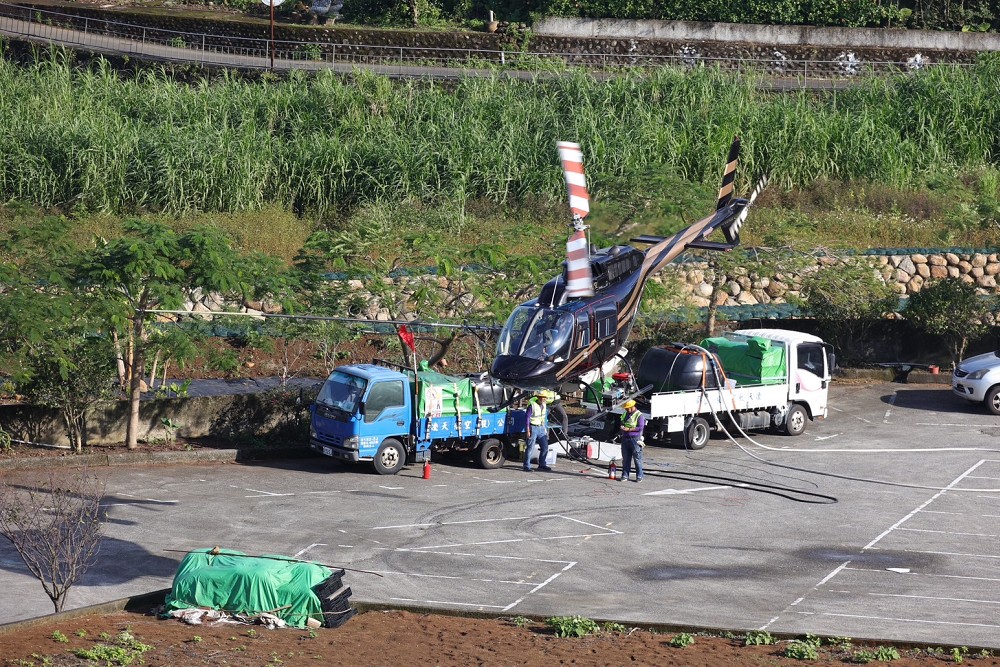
(879, 653)
(842, 643)
(59, 637)
(125, 650)
(573, 626)
(520, 621)
(801, 650)
(681, 640)
(614, 627)
(958, 653)
(80, 633)
(758, 638)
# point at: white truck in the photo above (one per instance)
(752, 378)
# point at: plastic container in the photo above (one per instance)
(669, 368)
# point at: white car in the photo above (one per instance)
(977, 379)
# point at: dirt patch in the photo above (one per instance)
(398, 637)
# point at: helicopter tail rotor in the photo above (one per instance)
(579, 278)
(732, 230)
(729, 175)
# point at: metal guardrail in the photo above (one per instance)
(105, 35)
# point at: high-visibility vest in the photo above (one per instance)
(537, 413)
(630, 420)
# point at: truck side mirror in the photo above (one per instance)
(361, 408)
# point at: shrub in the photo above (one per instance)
(801, 650)
(573, 626)
(758, 638)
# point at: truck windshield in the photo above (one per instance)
(342, 391)
(538, 333)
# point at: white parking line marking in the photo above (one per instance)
(538, 587)
(947, 532)
(447, 602)
(677, 492)
(932, 597)
(928, 502)
(827, 437)
(318, 544)
(888, 410)
(392, 488)
(929, 574)
(898, 620)
(265, 494)
(446, 576)
(946, 553)
(871, 546)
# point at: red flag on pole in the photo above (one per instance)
(407, 337)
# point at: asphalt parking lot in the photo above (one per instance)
(880, 522)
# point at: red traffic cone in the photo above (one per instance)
(427, 469)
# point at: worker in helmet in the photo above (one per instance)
(538, 432)
(633, 424)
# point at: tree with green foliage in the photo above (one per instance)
(50, 338)
(153, 267)
(847, 299)
(951, 309)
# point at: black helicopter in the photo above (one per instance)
(583, 317)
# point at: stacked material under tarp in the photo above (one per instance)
(751, 361)
(442, 395)
(237, 583)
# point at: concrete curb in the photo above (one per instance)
(152, 458)
(134, 603)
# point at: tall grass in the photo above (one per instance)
(92, 140)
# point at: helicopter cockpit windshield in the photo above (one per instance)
(537, 333)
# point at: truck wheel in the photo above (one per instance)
(490, 454)
(697, 433)
(795, 420)
(992, 401)
(390, 457)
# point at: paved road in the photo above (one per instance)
(769, 534)
(196, 52)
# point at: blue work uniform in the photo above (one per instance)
(633, 424)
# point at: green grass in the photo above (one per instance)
(88, 139)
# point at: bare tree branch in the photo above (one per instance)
(55, 527)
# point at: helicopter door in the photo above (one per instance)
(605, 330)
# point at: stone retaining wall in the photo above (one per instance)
(791, 50)
(692, 278)
(906, 273)
(243, 419)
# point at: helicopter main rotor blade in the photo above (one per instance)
(579, 277)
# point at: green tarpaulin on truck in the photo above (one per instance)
(442, 395)
(234, 582)
(751, 361)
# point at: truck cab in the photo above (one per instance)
(810, 364)
(364, 413)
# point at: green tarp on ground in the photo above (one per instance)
(237, 583)
(442, 395)
(753, 361)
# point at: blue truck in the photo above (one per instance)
(395, 416)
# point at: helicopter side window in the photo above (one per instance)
(583, 329)
(607, 319)
(549, 336)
